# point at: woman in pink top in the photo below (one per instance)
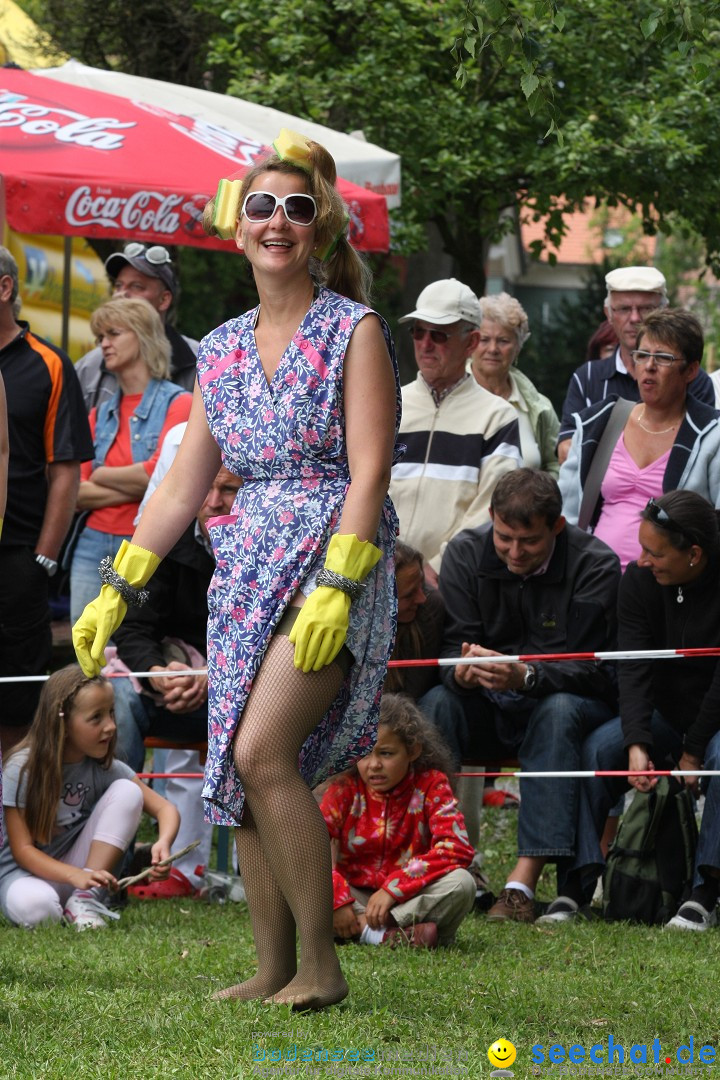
(669, 441)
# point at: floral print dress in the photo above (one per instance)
(286, 439)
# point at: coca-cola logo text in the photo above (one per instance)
(215, 137)
(143, 211)
(99, 133)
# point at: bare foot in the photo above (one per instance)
(253, 989)
(302, 994)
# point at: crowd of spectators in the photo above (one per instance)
(520, 533)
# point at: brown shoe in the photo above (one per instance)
(422, 935)
(513, 905)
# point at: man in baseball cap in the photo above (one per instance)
(140, 272)
(153, 274)
(632, 293)
(460, 438)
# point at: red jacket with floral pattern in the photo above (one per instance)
(400, 841)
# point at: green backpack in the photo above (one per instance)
(649, 869)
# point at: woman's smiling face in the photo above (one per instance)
(276, 244)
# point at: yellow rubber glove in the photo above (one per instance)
(102, 616)
(321, 627)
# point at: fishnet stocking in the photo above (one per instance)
(272, 920)
(285, 854)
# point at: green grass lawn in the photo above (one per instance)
(134, 1000)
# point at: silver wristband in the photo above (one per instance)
(354, 589)
(109, 576)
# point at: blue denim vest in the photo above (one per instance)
(146, 422)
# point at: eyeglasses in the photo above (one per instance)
(662, 359)
(626, 310)
(156, 255)
(298, 209)
(438, 337)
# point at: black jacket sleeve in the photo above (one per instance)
(638, 622)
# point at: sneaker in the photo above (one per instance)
(174, 885)
(563, 909)
(692, 916)
(512, 905)
(422, 935)
(86, 912)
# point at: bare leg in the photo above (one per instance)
(285, 705)
(528, 869)
(103, 856)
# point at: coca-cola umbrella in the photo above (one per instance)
(78, 162)
(211, 117)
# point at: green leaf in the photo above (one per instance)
(529, 84)
(700, 71)
(536, 99)
(496, 9)
(502, 47)
(559, 20)
(649, 26)
(479, 24)
(470, 42)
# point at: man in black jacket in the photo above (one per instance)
(528, 584)
(168, 633)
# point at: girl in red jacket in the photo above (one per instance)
(400, 843)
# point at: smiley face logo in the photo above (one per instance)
(502, 1054)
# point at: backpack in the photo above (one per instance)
(649, 869)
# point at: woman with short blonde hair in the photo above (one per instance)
(503, 332)
(128, 431)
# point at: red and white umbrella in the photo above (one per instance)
(79, 162)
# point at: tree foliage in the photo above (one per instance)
(502, 26)
(560, 100)
(158, 39)
(638, 109)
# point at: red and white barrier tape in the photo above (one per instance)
(570, 774)
(448, 661)
(526, 658)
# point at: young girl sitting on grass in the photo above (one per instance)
(71, 810)
(399, 838)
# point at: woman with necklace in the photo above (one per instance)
(669, 440)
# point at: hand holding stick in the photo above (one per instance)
(124, 882)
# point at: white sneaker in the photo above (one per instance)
(692, 916)
(563, 909)
(86, 912)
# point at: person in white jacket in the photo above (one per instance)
(460, 439)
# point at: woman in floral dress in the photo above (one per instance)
(300, 397)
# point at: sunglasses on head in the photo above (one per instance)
(658, 516)
(156, 255)
(298, 209)
(438, 337)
